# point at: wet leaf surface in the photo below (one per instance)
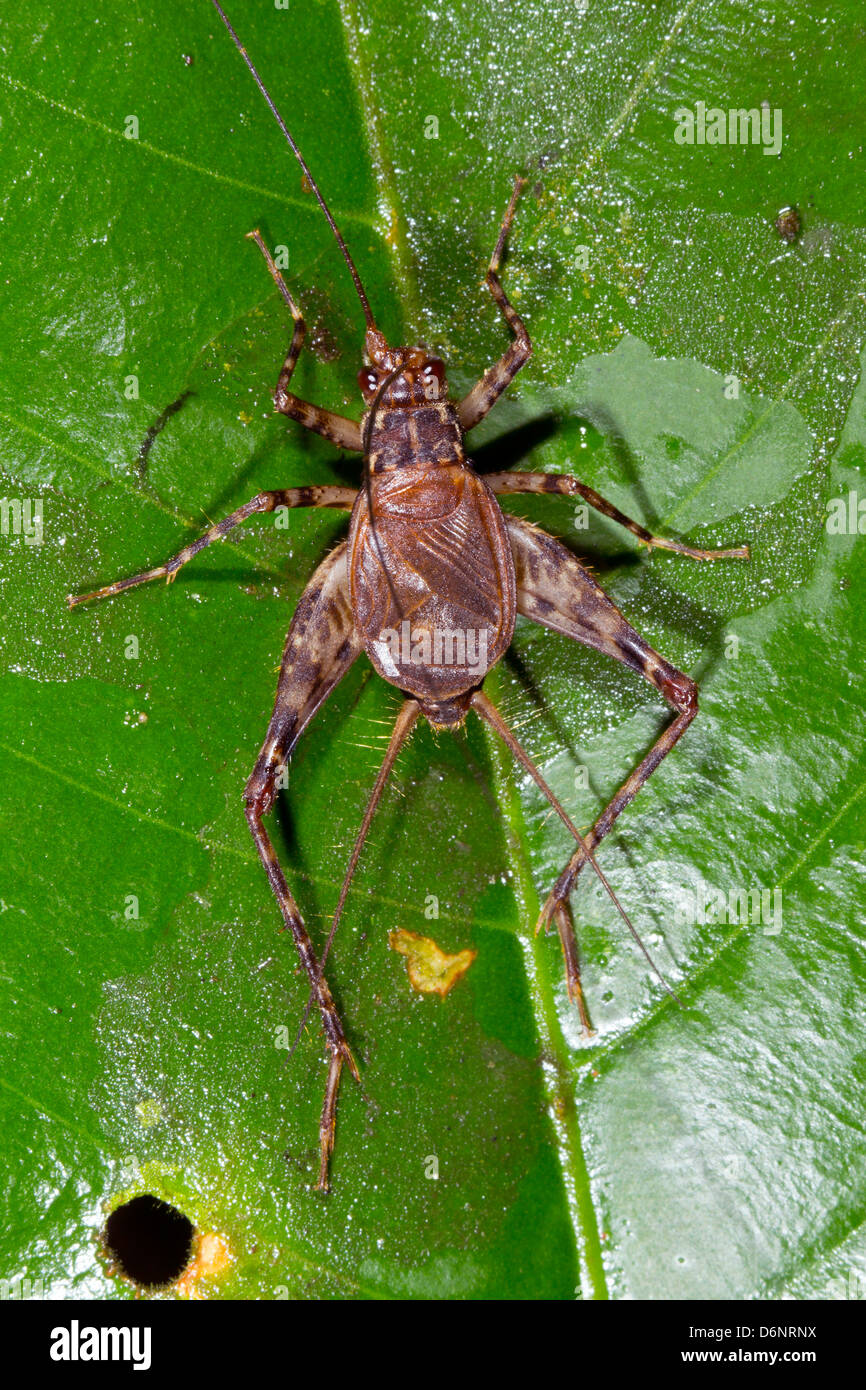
(691, 365)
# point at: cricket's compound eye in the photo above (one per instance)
(432, 376)
(368, 380)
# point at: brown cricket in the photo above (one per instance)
(428, 584)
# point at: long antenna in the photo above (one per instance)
(365, 303)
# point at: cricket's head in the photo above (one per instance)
(404, 376)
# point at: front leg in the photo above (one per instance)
(346, 434)
(475, 406)
(563, 485)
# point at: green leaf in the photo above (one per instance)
(690, 364)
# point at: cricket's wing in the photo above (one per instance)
(431, 578)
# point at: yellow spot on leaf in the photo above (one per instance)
(430, 970)
(393, 228)
(149, 1112)
(212, 1256)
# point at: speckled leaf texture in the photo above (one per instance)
(692, 365)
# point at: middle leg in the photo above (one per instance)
(563, 485)
(316, 496)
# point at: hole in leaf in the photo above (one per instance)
(150, 1240)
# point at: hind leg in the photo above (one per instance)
(320, 648)
(554, 589)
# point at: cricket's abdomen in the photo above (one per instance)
(432, 586)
